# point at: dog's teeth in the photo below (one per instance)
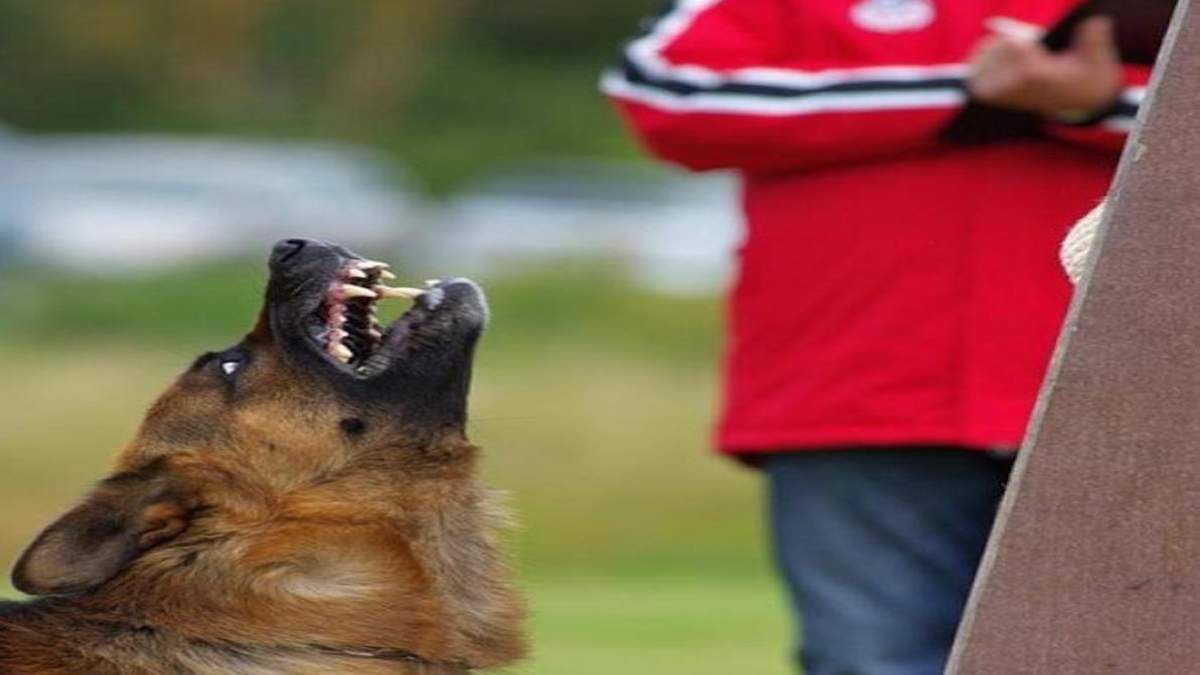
(430, 283)
(376, 335)
(371, 265)
(406, 293)
(341, 352)
(356, 273)
(352, 291)
(384, 274)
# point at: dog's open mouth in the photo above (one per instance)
(346, 325)
(329, 298)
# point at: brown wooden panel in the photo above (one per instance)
(1095, 563)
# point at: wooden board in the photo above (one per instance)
(1094, 566)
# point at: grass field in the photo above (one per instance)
(642, 552)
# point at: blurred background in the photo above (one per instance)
(151, 151)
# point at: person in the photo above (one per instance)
(898, 294)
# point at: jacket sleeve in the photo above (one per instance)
(716, 84)
(1109, 130)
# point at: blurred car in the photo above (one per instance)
(674, 232)
(137, 201)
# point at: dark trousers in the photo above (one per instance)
(878, 548)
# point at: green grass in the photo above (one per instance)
(642, 551)
(716, 625)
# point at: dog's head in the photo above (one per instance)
(321, 462)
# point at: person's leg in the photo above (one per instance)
(879, 549)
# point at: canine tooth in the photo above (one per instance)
(356, 273)
(376, 335)
(384, 274)
(341, 352)
(352, 291)
(430, 283)
(406, 293)
(371, 265)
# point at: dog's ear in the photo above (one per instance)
(122, 518)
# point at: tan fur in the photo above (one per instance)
(277, 537)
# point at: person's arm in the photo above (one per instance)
(1085, 94)
(715, 84)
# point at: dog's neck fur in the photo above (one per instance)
(32, 642)
(452, 609)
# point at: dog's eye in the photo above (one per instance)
(230, 366)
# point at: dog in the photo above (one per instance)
(302, 502)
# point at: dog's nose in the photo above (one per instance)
(287, 249)
(297, 251)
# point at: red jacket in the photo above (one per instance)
(893, 289)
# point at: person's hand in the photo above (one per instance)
(1012, 69)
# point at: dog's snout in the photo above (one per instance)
(297, 261)
(288, 249)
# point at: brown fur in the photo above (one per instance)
(254, 530)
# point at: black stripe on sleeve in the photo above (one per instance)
(635, 75)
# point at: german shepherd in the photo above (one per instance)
(302, 502)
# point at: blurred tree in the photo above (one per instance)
(48, 81)
(377, 70)
(278, 63)
(540, 28)
(453, 86)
